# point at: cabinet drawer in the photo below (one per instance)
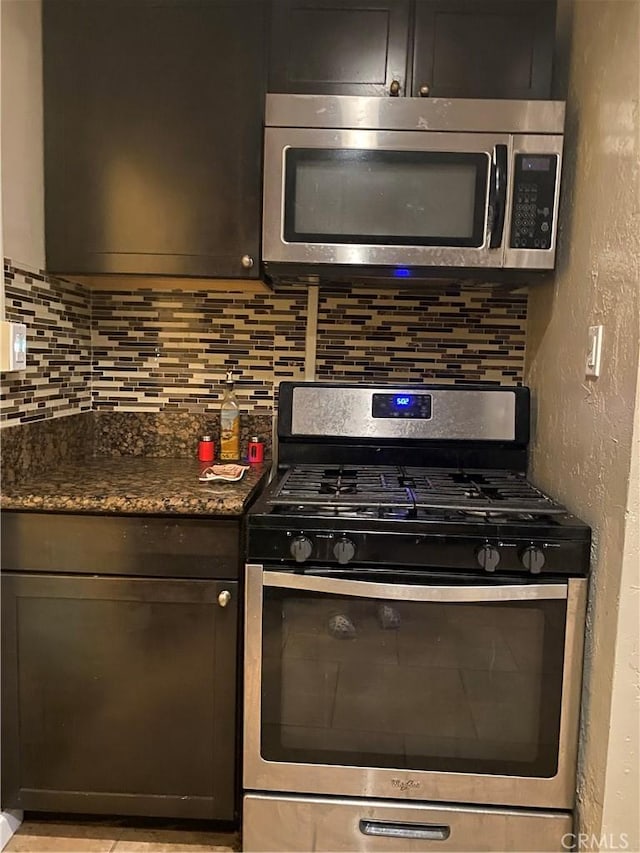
(143, 546)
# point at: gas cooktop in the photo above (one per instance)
(467, 509)
(382, 487)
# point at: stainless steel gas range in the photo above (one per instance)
(414, 628)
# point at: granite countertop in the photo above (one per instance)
(133, 485)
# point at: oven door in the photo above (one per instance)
(437, 691)
(385, 198)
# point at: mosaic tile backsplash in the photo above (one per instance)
(169, 350)
(150, 351)
(58, 376)
(161, 351)
(453, 336)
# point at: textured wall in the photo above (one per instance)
(22, 139)
(582, 450)
(622, 785)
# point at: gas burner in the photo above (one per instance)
(345, 511)
(485, 513)
(484, 493)
(497, 517)
(340, 487)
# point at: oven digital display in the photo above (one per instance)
(417, 406)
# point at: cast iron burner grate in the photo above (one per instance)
(319, 485)
(481, 493)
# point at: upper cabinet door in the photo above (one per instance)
(483, 48)
(351, 47)
(153, 129)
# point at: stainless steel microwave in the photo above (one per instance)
(403, 188)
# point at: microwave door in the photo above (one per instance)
(385, 198)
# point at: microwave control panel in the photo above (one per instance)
(534, 187)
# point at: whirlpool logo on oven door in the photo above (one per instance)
(405, 785)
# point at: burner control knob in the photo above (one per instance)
(533, 559)
(344, 550)
(488, 557)
(301, 549)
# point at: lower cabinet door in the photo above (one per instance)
(119, 695)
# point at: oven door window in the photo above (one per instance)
(463, 687)
(396, 198)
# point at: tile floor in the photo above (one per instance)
(88, 837)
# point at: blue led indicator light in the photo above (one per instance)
(402, 272)
(403, 401)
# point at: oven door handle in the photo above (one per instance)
(409, 592)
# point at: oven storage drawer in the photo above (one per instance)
(280, 823)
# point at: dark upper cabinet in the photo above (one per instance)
(439, 48)
(153, 126)
(352, 47)
(483, 48)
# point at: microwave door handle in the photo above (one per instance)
(442, 593)
(498, 194)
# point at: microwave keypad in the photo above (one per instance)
(532, 205)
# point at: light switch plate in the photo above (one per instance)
(594, 352)
(13, 346)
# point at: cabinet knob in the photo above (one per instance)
(394, 88)
(246, 261)
(423, 91)
(224, 598)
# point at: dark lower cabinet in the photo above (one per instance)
(119, 695)
(483, 48)
(153, 136)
